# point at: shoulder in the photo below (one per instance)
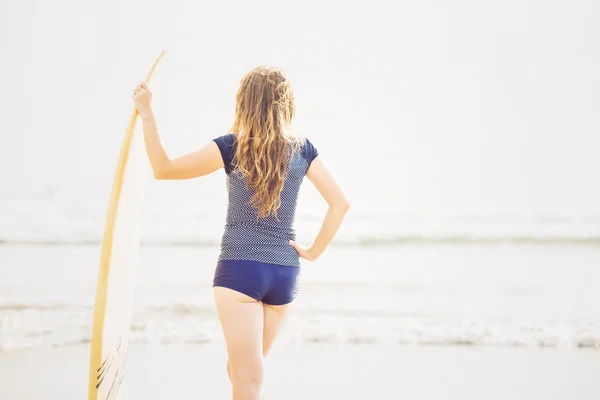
(308, 151)
(226, 141)
(226, 144)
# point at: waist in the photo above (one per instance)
(279, 256)
(259, 242)
(259, 232)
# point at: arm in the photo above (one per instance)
(193, 165)
(324, 182)
(201, 162)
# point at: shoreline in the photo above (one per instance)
(315, 371)
(368, 242)
(347, 346)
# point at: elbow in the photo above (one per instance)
(346, 205)
(160, 175)
(343, 205)
(162, 171)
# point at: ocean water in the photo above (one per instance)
(426, 293)
(465, 137)
(179, 223)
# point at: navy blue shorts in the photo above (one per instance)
(272, 284)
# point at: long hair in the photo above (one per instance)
(263, 116)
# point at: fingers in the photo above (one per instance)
(302, 252)
(142, 87)
(299, 249)
(296, 246)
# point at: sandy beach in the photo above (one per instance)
(316, 372)
(465, 135)
(457, 325)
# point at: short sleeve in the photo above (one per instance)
(226, 144)
(309, 151)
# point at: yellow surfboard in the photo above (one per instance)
(115, 287)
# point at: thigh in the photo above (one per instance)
(242, 319)
(277, 301)
(274, 317)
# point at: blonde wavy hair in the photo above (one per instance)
(265, 142)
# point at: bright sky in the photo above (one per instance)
(468, 105)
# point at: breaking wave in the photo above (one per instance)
(30, 326)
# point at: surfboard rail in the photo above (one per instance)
(99, 366)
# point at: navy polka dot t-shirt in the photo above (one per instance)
(266, 240)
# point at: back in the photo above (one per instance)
(247, 237)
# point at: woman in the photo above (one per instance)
(257, 270)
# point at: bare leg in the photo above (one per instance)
(242, 321)
(274, 317)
